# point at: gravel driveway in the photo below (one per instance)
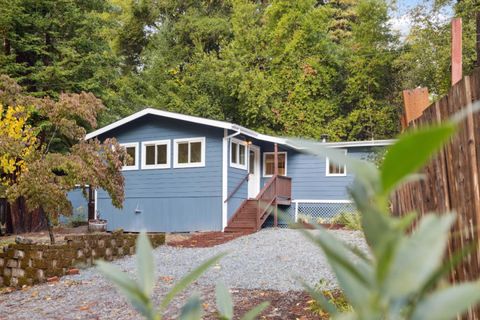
(270, 259)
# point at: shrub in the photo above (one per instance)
(351, 220)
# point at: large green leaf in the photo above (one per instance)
(447, 303)
(418, 256)
(355, 277)
(192, 310)
(145, 264)
(188, 279)
(252, 314)
(128, 287)
(411, 152)
(224, 301)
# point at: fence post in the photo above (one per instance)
(296, 212)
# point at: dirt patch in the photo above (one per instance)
(283, 305)
(42, 237)
(206, 239)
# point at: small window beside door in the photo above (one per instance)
(131, 162)
(269, 164)
(334, 169)
(156, 154)
(189, 153)
(238, 154)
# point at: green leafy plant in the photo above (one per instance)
(403, 277)
(351, 220)
(333, 296)
(139, 292)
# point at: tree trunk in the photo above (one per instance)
(49, 227)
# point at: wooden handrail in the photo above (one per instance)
(266, 186)
(237, 187)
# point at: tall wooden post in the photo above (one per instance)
(91, 203)
(275, 172)
(478, 39)
(456, 50)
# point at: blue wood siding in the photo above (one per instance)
(235, 176)
(308, 173)
(309, 179)
(174, 199)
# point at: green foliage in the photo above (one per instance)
(351, 220)
(403, 277)
(139, 292)
(425, 60)
(334, 296)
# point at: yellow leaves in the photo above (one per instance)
(18, 137)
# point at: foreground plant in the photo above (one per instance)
(403, 276)
(139, 292)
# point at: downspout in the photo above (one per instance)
(226, 138)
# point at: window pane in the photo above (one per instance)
(335, 169)
(281, 164)
(183, 152)
(131, 160)
(195, 152)
(251, 167)
(241, 154)
(162, 154)
(150, 155)
(269, 164)
(234, 152)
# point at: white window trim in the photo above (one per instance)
(144, 154)
(137, 159)
(327, 168)
(188, 165)
(238, 165)
(265, 167)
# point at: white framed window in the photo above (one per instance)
(189, 153)
(238, 154)
(156, 154)
(132, 150)
(335, 170)
(269, 164)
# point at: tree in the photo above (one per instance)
(45, 155)
(426, 57)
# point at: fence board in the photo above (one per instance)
(452, 178)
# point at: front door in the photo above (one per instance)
(254, 171)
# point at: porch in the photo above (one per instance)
(254, 211)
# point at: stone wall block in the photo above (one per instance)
(18, 254)
(12, 263)
(18, 272)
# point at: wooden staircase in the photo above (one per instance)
(252, 213)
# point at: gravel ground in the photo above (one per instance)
(270, 259)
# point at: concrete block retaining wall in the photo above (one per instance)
(27, 264)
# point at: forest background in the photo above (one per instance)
(297, 68)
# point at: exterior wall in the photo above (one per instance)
(235, 176)
(173, 199)
(309, 179)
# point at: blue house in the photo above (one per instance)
(194, 174)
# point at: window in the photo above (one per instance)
(189, 152)
(336, 170)
(238, 154)
(156, 154)
(131, 163)
(269, 164)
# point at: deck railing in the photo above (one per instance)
(278, 187)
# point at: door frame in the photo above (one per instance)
(258, 174)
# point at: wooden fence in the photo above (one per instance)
(452, 179)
